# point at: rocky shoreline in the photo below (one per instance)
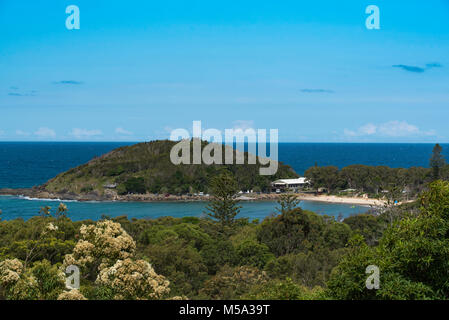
(40, 193)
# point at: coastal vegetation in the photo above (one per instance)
(380, 181)
(412, 255)
(294, 254)
(146, 168)
(188, 257)
(144, 172)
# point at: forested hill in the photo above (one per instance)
(146, 167)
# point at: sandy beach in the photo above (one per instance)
(347, 200)
(318, 198)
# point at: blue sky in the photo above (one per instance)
(138, 69)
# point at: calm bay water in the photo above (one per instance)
(16, 207)
(28, 164)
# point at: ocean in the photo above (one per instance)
(27, 164)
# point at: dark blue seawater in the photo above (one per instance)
(27, 164)
(302, 156)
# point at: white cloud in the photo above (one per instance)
(368, 129)
(22, 133)
(2, 132)
(398, 129)
(45, 132)
(388, 129)
(122, 131)
(243, 124)
(350, 133)
(85, 133)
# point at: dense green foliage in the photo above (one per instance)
(412, 255)
(297, 250)
(296, 254)
(379, 181)
(375, 181)
(134, 185)
(146, 167)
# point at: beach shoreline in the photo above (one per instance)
(37, 193)
(344, 200)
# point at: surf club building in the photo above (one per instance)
(283, 185)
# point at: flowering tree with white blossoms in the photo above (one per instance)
(73, 294)
(105, 253)
(43, 281)
(99, 247)
(14, 285)
(128, 279)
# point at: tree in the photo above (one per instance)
(412, 256)
(253, 253)
(135, 185)
(100, 245)
(50, 281)
(105, 254)
(60, 213)
(327, 177)
(292, 232)
(367, 225)
(287, 203)
(45, 211)
(331, 178)
(217, 254)
(437, 161)
(283, 290)
(233, 282)
(42, 282)
(181, 263)
(133, 280)
(392, 210)
(224, 205)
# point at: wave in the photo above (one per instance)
(45, 199)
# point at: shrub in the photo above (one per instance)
(135, 185)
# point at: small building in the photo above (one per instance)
(283, 185)
(110, 186)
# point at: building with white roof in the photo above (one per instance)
(284, 184)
